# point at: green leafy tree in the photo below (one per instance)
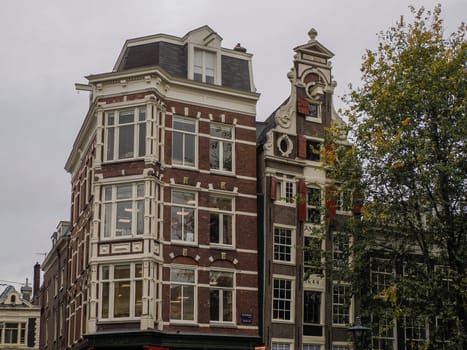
(408, 126)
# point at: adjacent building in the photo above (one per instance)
(19, 319)
(162, 243)
(304, 306)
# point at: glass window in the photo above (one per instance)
(313, 205)
(313, 150)
(221, 147)
(313, 110)
(123, 210)
(281, 346)
(285, 190)
(340, 250)
(184, 141)
(220, 220)
(13, 332)
(384, 336)
(311, 347)
(340, 304)
(282, 300)
(121, 291)
(311, 307)
(221, 292)
(312, 257)
(381, 274)
(125, 134)
(204, 68)
(182, 294)
(344, 201)
(183, 216)
(282, 244)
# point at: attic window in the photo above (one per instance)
(13, 299)
(204, 68)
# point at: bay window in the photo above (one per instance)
(184, 141)
(123, 210)
(121, 291)
(182, 294)
(183, 216)
(221, 292)
(125, 134)
(221, 147)
(220, 220)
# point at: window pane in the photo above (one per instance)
(105, 300)
(126, 141)
(124, 215)
(227, 304)
(138, 270)
(121, 271)
(221, 279)
(140, 217)
(227, 161)
(182, 275)
(175, 302)
(110, 143)
(124, 191)
(105, 273)
(227, 229)
(126, 117)
(110, 119)
(186, 198)
(177, 147)
(184, 124)
(209, 59)
(312, 307)
(214, 228)
(188, 303)
(220, 131)
(214, 154)
(142, 114)
(122, 299)
(221, 203)
(107, 220)
(138, 298)
(142, 140)
(189, 149)
(108, 193)
(189, 225)
(176, 223)
(214, 304)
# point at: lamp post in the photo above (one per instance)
(357, 332)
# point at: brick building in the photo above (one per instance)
(304, 307)
(53, 294)
(162, 248)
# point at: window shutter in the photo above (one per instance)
(273, 188)
(303, 106)
(301, 146)
(331, 203)
(301, 201)
(357, 203)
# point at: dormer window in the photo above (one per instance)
(204, 68)
(13, 299)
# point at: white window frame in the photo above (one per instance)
(21, 327)
(179, 209)
(110, 207)
(111, 154)
(221, 148)
(184, 284)
(278, 245)
(222, 216)
(290, 300)
(312, 346)
(344, 201)
(321, 306)
(203, 67)
(381, 274)
(306, 265)
(286, 191)
(111, 280)
(282, 344)
(184, 133)
(341, 305)
(223, 290)
(318, 118)
(338, 254)
(383, 326)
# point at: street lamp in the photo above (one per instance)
(357, 332)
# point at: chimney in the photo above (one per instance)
(37, 282)
(26, 291)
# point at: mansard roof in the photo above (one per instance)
(5, 299)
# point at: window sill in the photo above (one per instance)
(222, 172)
(184, 243)
(119, 320)
(183, 323)
(283, 321)
(285, 204)
(120, 239)
(117, 161)
(314, 119)
(185, 167)
(219, 324)
(222, 246)
(288, 263)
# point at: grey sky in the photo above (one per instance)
(48, 45)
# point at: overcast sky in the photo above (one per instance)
(48, 45)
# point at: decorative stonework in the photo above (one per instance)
(284, 145)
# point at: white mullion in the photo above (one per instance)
(131, 302)
(136, 124)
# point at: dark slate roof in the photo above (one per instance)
(263, 127)
(173, 59)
